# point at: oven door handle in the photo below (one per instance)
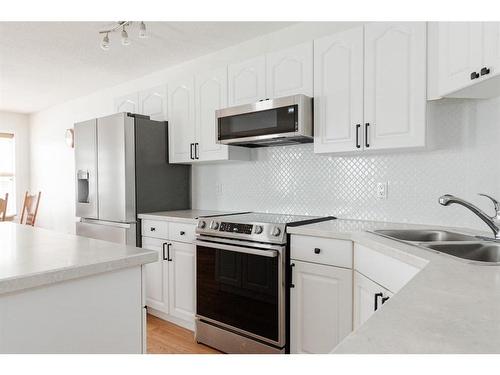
(238, 249)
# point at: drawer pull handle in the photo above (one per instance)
(152, 229)
(376, 297)
(317, 250)
(182, 233)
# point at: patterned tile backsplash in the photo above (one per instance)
(462, 158)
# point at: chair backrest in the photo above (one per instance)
(30, 207)
(3, 207)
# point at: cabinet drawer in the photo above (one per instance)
(389, 272)
(155, 229)
(181, 232)
(321, 250)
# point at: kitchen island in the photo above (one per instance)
(61, 293)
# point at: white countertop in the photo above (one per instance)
(32, 257)
(450, 306)
(183, 216)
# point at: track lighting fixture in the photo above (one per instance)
(122, 25)
(142, 30)
(125, 40)
(105, 42)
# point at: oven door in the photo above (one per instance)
(241, 288)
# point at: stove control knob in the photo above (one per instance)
(202, 224)
(276, 232)
(258, 229)
(214, 225)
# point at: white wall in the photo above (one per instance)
(18, 124)
(52, 162)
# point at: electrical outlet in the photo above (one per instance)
(381, 191)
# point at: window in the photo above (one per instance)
(7, 177)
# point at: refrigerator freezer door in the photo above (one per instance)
(124, 233)
(86, 204)
(116, 168)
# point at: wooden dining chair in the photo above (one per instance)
(3, 206)
(30, 206)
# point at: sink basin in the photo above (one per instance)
(417, 235)
(478, 251)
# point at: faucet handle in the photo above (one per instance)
(495, 202)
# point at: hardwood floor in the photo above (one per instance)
(167, 338)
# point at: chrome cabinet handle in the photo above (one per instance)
(317, 250)
(152, 229)
(168, 252)
(196, 151)
(191, 151)
(292, 285)
(474, 75)
(376, 297)
(163, 251)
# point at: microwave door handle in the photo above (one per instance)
(238, 249)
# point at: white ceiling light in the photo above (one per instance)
(105, 42)
(142, 30)
(125, 39)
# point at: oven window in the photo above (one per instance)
(273, 121)
(238, 289)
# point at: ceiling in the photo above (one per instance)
(44, 63)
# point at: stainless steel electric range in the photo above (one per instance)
(241, 281)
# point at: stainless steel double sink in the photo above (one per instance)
(451, 243)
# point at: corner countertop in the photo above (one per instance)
(32, 257)
(450, 306)
(183, 216)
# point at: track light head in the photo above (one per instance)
(125, 39)
(142, 30)
(105, 42)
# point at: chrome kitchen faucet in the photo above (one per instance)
(492, 221)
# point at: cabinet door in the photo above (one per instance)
(153, 103)
(156, 276)
(491, 42)
(290, 71)
(181, 126)
(460, 52)
(395, 85)
(182, 280)
(365, 293)
(338, 92)
(247, 81)
(127, 103)
(320, 307)
(211, 94)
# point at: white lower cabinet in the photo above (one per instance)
(170, 281)
(368, 298)
(320, 307)
(156, 276)
(181, 277)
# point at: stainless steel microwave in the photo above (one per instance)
(271, 122)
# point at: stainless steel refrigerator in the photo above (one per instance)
(122, 170)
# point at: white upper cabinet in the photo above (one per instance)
(211, 94)
(395, 85)
(181, 120)
(247, 81)
(290, 71)
(468, 59)
(491, 57)
(459, 54)
(153, 103)
(338, 92)
(127, 103)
